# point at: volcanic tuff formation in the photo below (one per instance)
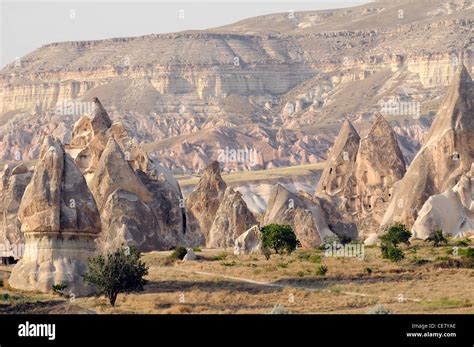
(300, 211)
(60, 222)
(204, 201)
(446, 155)
(451, 212)
(13, 182)
(232, 219)
(278, 84)
(359, 175)
(139, 201)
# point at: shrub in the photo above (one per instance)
(178, 253)
(322, 270)
(463, 243)
(437, 238)
(395, 234)
(220, 256)
(280, 238)
(58, 288)
(368, 271)
(117, 272)
(379, 309)
(197, 249)
(391, 252)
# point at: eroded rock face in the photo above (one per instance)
(249, 242)
(452, 212)
(232, 219)
(358, 179)
(13, 182)
(379, 165)
(300, 211)
(60, 221)
(140, 202)
(340, 164)
(204, 201)
(447, 153)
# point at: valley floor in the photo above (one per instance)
(220, 282)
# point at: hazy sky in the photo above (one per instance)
(27, 25)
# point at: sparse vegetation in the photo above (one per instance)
(394, 235)
(117, 272)
(437, 238)
(178, 253)
(280, 238)
(322, 270)
(368, 271)
(58, 288)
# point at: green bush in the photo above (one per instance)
(463, 243)
(221, 256)
(395, 234)
(437, 238)
(117, 272)
(280, 238)
(58, 288)
(391, 252)
(178, 253)
(322, 270)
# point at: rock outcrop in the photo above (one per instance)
(357, 182)
(140, 202)
(447, 153)
(452, 212)
(232, 219)
(379, 165)
(204, 201)
(60, 222)
(13, 182)
(340, 165)
(300, 211)
(249, 242)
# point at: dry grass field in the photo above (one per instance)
(220, 282)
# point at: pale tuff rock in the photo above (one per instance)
(249, 242)
(340, 163)
(300, 211)
(140, 202)
(231, 220)
(358, 179)
(114, 172)
(190, 255)
(447, 153)
(204, 201)
(13, 183)
(60, 221)
(379, 165)
(452, 212)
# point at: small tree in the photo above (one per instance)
(394, 235)
(437, 238)
(119, 272)
(280, 238)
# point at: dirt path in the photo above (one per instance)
(278, 285)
